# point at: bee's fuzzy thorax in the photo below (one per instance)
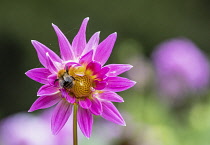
(61, 73)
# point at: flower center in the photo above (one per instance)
(82, 86)
(76, 82)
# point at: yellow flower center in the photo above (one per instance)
(82, 86)
(77, 81)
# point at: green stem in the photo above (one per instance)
(75, 140)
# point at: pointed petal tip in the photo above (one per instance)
(26, 73)
(54, 26)
(98, 33)
(33, 41)
(113, 35)
(123, 123)
(31, 109)
(87, 18)
(134, 82)
(87, 136)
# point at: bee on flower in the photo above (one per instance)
(78, 78)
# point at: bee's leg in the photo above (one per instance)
(73, 78)
(67, 70)
(55, 81)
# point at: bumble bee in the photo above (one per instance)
(65, 80)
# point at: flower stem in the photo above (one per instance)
(75, 140)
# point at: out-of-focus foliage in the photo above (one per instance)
(141, 25)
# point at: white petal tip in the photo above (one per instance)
(131, 66)
(134, 82)
(124, 124)
(87, 18)
(54, 26)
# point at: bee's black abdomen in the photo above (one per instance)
(68, 85)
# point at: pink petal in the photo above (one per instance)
(45, 102)
(117, 69)
(110, 96)
(102, 73)
(53, 66)
(105, 48)
(60, 116)
(70, 64)
(39, 74)
(47, 90)
(41, 52)
(96, 107)
(118, 84)
(66, 95)
(99, 85)
(94, 66)
(92, 43)
(86, 103)
(87, 58)
(52, 80)
(111, 113)
(79, 41)
(65, 47)
(85, 121)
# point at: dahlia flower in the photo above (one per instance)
(26, 129)
(78, 78)
(181, 68)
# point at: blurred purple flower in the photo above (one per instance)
(181, 67)
(26, 129)
(78, 77)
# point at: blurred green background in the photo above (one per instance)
(141, 25)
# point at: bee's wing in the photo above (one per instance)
(67, 78)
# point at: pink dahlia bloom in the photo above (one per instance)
(79, 77)
(181, 67)
(27, 129)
